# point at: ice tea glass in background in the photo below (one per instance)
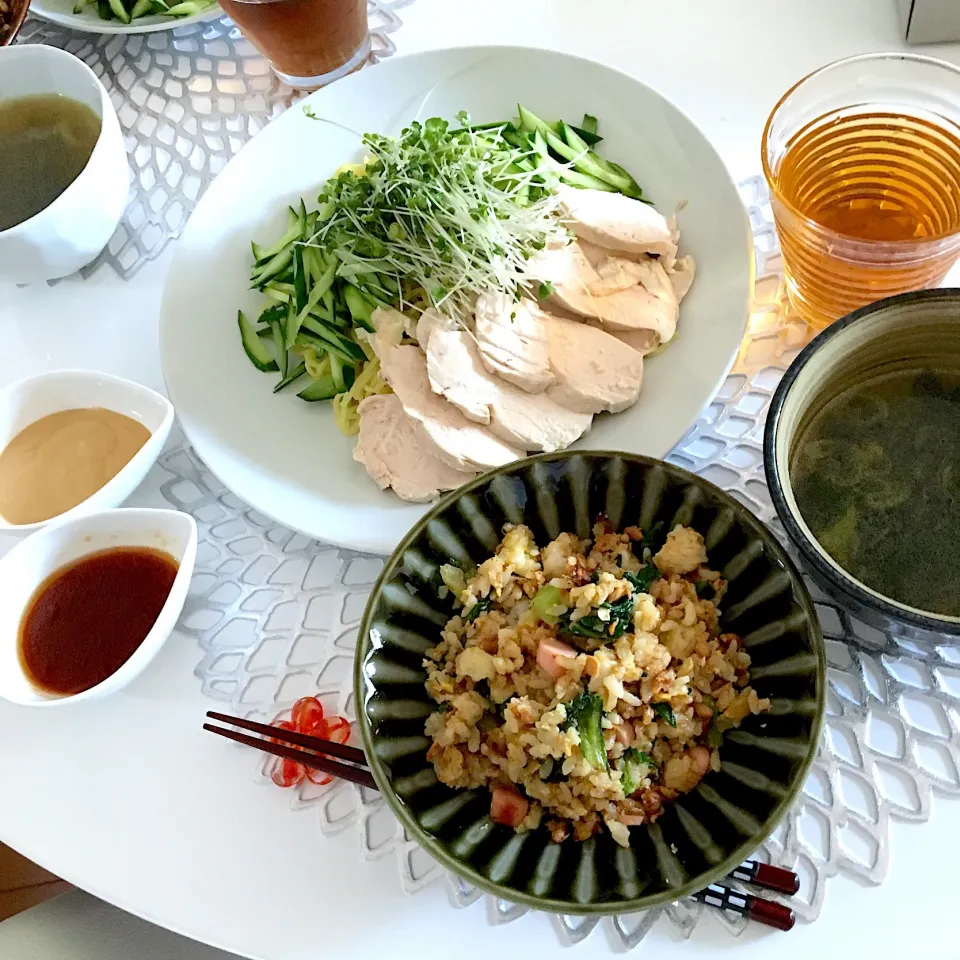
(308, 42)
(863, 162)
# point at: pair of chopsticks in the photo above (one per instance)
(350, 763)
(354, 769)
(747, 905)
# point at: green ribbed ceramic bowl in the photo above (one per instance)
(707, 832)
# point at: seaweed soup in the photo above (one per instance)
(876, 476)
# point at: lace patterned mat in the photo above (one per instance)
(276, 615)
(188, 99)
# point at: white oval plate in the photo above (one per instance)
(287, 458)
(87, 21)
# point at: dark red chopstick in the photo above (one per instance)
(767, 876)
(317, 761)
(328, 747)
(747, 905)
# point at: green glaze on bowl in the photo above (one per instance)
(706, 833)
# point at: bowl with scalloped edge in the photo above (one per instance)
(705, 833)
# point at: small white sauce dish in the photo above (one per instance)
(74, 228)
(29, 563)
(28, 400)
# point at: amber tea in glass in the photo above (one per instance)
(863, 162)
(308, 42)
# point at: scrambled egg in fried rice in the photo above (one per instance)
(586, 683)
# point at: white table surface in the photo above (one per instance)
(130, 801)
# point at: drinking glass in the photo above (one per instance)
(863, 162)
(309, 43)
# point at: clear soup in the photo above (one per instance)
(876, 476)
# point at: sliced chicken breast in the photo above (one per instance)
(635, 308)
(656, 281)
(431, 319)
(571, 274)
(643, 341)
(532, 421)
(396, 452)
(595, 371)
(617, 222)
(389, 326)
(617, 273)
(456, 441)
(669, 259)
(512, 343)
(453, 374)
(662, 286)
(594, 253)
(682, 276)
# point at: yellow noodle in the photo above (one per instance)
(316, 367)
(368, 383)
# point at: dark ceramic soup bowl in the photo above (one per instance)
(891, 337)
(707, 832)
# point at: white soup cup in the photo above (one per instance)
(71, 231)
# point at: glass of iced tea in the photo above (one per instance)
(308, 42)
(863, 162)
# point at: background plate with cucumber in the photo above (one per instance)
(102, 16)
(287, 457)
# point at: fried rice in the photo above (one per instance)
(586, 684)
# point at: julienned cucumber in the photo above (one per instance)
(127, 10)
(263, 254)
(596, 166)
(322, 388)
(255, 348)
(295, 374)
(360, 310)
(312, 308)
(566, 144)
(588, 131)
(314, 328)
(565, 173)
(567, 150)
(274, 267)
